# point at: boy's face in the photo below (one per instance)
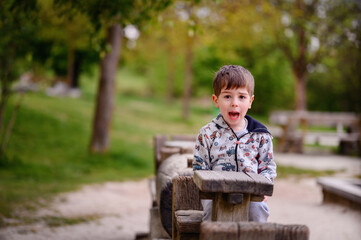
(233, 105)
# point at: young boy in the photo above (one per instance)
(234, 141)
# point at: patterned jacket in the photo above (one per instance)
(218, 148)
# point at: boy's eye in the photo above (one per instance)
(227, 96)
(242, 97)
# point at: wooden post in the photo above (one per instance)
(224, 209)
(186, 208)
(158, 142)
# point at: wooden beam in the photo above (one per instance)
(231, 182)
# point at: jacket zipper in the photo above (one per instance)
(235, 151)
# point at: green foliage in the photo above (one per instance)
(17, 28)
(121, 11)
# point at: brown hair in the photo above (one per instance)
(233, 76)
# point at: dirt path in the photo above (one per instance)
(121, 209)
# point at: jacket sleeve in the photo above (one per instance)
(266, 165)
(201, 159)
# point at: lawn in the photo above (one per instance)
(48, 149)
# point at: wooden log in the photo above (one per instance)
(292, 232)
(185, 197)
(169, 168)
(252, 231)
(256, 231)
(219, 230)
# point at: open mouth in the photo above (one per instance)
(233, 115)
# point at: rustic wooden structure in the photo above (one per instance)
(176, 211)
(295, 125)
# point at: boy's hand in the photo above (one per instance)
(265, 199)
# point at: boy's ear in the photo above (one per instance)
(215, 100)
(250, 102)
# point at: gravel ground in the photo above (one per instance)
(121, 209)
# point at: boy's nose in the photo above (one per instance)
(235, 103)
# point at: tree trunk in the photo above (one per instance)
(74, 70)
(106, 89)
(300, 91)
(300, 63)
(170, 74)
(188, 77)
(71, 60)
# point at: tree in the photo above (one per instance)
(308, 31)
(305, 31)
(112, 16)
(17, 27)
(68, 40)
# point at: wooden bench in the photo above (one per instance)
(346, 192)
(295, 125)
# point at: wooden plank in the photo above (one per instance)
(228, 182)
(219, 230)
(316, 118)
(188, 221)
(264, 184)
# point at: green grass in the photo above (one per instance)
(48, 149)
(286, 171)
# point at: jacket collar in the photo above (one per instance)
(253, 125)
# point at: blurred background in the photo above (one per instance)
(85, 85)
